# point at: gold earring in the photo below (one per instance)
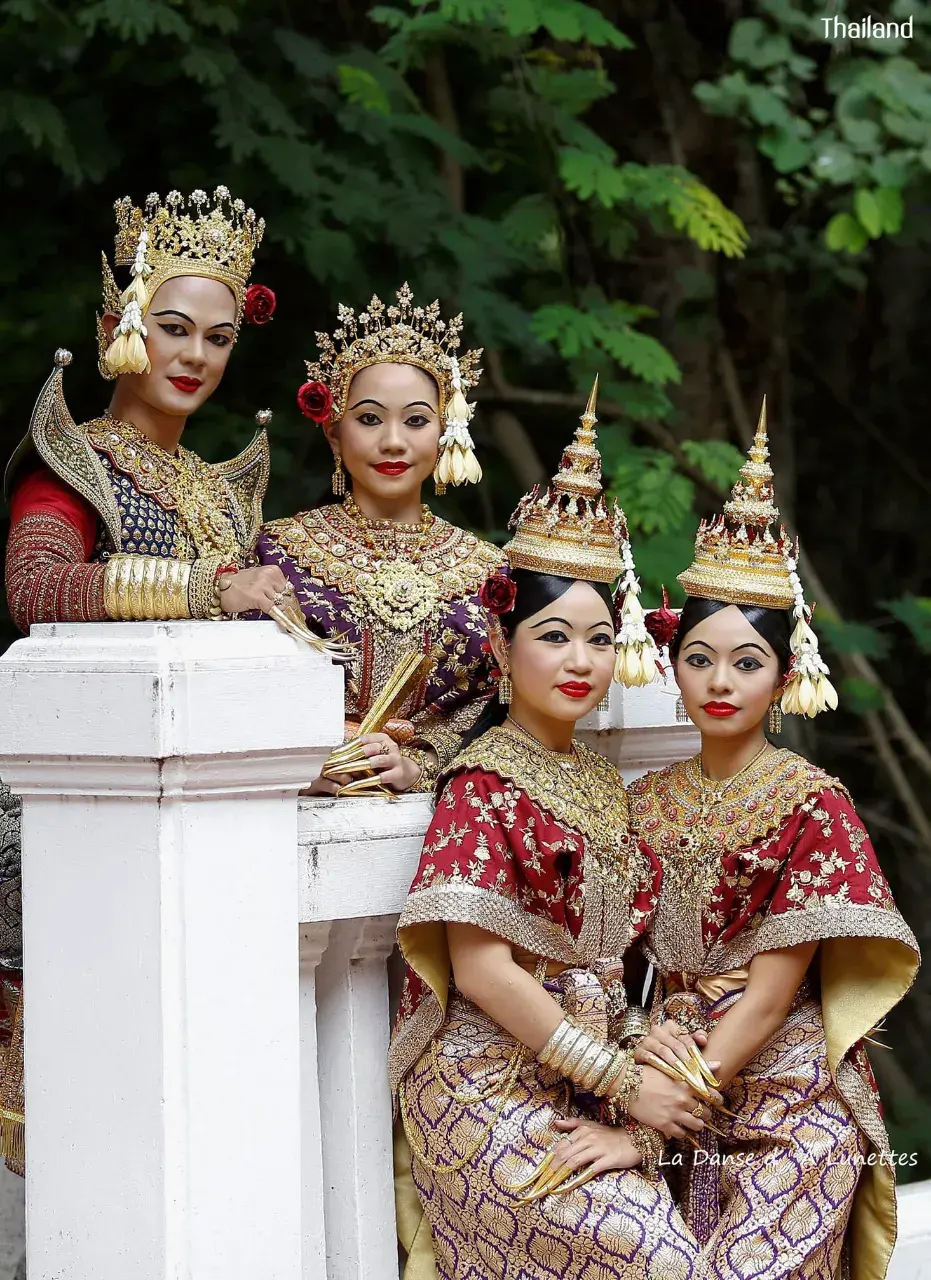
(439, 488)
(339, 480)
(504, 689)
(682, 716)
(775, 718)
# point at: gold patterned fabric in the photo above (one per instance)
(474, 1140)
(395, 589)
(533, 846)
(777, 858)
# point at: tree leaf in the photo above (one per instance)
(718, 460)
(891, 209)
(844, 234)
(868, 213)
(914, 612)
(853, 637)
(860, 696)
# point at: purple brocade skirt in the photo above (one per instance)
(772, 1199)
(475, 1127)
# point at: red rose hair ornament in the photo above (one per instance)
(259, 305)
(315, 401)
(662, 624)
(498, 593)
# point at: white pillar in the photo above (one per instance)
(159, 765)
(313, 943)
(353, 1032)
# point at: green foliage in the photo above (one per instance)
(861, 151)
(853, 637)
(861, 696)
(914, 612)
(717, 460)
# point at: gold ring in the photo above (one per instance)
(385, 749)
(698, 1111)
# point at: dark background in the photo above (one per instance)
(703, 201)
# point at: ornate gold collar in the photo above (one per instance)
(666, 806)
(153, 470)
(332, 547)
(581, 789)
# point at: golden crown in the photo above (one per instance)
(398, 334)
(738, 558)
(570, 528)
(202, 236)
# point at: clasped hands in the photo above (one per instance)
(676, 1094)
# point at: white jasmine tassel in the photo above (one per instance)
(808, 690)
(127, 353)
(635, 664)
(457, 463)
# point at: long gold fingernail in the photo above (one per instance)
(540, 1169)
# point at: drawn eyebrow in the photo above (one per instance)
(748, 644)
(702, 643)
(414, 403)
(221, 324)
(366, 401)
(543, 622)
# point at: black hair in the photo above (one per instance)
(774, 625)
(534, 592)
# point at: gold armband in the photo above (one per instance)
(203, 592)
(143, 588)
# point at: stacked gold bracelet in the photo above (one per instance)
(140, 588)
(429, 767)
(590, 1065)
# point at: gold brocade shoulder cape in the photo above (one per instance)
(328, 545)
(868, 956)
(73, 453)
(590, 797)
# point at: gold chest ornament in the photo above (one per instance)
(399, 594)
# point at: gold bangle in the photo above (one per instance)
(557, 1041)
(202, 586)
(143, 588)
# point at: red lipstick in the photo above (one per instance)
(187, 385)
(392, 468)
(575, 689)
(720, 709)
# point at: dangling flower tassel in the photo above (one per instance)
(635, 663)
(808, 690)
(127, 353)
(457, 463)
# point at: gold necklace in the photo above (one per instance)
(396, 591)
(719, 787)
(566, 758)
(185, 479)
(692, 862)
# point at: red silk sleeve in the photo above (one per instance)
(493, 852)
(52, 536)
(832, 862)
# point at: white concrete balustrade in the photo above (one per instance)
(208, 957)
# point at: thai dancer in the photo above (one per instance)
(776, 931)
(378, 567)
(115, 519)
(514, 1027)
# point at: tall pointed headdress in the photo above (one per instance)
(202, 236)
(573, 530)
(400, 334)
(740, 560)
